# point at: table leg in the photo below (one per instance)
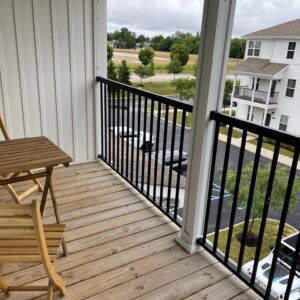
(57, 216)
(46, 187)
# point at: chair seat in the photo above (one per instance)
(23, 247)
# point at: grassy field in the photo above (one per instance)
(271, 147)
(268, 241)
(161, 61)
(235, 133)
(162, 88)
(188, 121)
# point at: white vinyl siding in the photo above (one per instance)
(47, 72)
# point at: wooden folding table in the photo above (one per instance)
(20, 155)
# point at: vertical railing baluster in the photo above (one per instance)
(122, 132)
(162, 179)
(171, 158)
(102, 118)
(138, 141)
(156, 149)
(105, 120)
(284, 213)
(183, 119)
(211, 179)
(114, 127)
(133, 137)
(109, 123)
(118, 130)
(265, 210)
(249, 203)
(150, 149)
(222, 189)
(235, 195)
(144, 140)
(127, 135)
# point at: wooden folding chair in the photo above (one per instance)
(37, 185)
(24, 239)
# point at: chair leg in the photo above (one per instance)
(13, 193)
(3, 283)
(50, 291)
(64, 245)
(36, 181)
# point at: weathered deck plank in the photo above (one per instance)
(120, 246)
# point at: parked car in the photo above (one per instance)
(135, 138)
(282, 271)
(176, 166)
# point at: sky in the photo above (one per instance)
(154, 17)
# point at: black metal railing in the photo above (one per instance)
(259, 96)
(145, 140)
(223, 215)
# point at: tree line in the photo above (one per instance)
(126, 39)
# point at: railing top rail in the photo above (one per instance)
(266, 132)
(162, 99)
(258, 91)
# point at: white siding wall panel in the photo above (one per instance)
(47, 75)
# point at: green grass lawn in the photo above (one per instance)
(268, 240)
(162, 88)
(188, 120)
(235, 133)
(271, 147)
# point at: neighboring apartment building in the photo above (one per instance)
(269, 76)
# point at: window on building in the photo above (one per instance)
(254, 48)
(283, 122)
(291, 50)
(257, 83)
(290, 89)
(248, 113)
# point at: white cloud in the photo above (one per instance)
(152, 17)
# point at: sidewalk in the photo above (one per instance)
(282, 159)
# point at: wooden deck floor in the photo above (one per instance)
(120, 246)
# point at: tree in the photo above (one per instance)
(175, 66)
(185, 87)
(141, 71)
(111, 71)
(150, 70)
(181, 53)
(110, 52)
(237, 48)
(146, 56)
(124, 73)
(278, 192)
(227, 93)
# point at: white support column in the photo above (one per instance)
(267, 101)
(252, 98)
(232, 94)
(100, 60)
(213, 57)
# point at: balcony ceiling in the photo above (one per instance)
(259, 67)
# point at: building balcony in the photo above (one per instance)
(121, 246)
(260, 99)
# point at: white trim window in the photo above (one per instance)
(283, 124)
(290, 89)
(254, 48)
(248, 114)
(291, 50)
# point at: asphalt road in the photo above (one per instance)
(293, 217)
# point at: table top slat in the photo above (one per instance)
(30, 153)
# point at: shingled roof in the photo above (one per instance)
(258, 66)
(288, 29)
